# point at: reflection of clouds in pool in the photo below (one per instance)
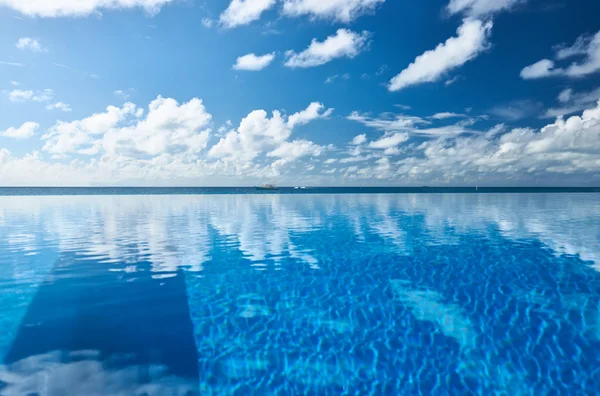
(263, 226)
(566, 223)
(173, 232)
(83, 373)
(426, 306)
(169, 234)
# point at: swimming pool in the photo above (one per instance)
(296, 294)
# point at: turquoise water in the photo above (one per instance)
(300, 294)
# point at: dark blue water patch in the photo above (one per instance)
(95, 322)
(35, 191)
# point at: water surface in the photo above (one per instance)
(296, 294)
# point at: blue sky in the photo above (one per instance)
(328, 92)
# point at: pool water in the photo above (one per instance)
(429, 294)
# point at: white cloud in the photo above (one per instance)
(587, 47)
(15, 83)
(19, 95)
(452, 80)
(563, 147)
(123, 94)
(388, 122)
(345, 43)
(16, 64)
(331, 79)
(338, 10)
(252, 62)
(580, 47)
(207, 22)
(25, 131)
(59, 106)
(243, 12)
(543, 68)
(84, 136)
(409, 124)
(446, 115)
(353, 159)
(169, 127)
(472, 39)
(27, 43)
(392, 140)
(481, 7)
(290, 151)
(257, 133)
(79, 8)
(312, 112)
(565, 95)
(169, 145)
(573, 102)
(359, 139)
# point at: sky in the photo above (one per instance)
(299, 92)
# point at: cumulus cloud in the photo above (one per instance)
(563, 147)
(338, 10)
(345, 43)
(25, 131)
(471, 40)
(79, 8)
(314, 111)
(587, 47)
(243, 12)
(169, 127)
(480, 7)
(27, 43)
(252, 62)
(359, 139)
(19, 95)
(258, 133)
(59, 106)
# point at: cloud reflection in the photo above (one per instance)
(60, 373)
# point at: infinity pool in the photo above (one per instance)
(429, 294)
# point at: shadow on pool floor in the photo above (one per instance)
(127, 327)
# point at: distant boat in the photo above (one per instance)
(267, 187)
